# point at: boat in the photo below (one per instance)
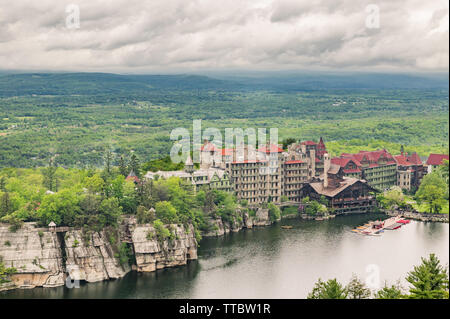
(286, 227)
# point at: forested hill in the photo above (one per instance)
(140, 85)
(76, 116)
(103, 83)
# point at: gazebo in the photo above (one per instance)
(52, 226)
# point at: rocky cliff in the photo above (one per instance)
(218, 227)
(92, 257)
(153, 253)
(45, 258)
(35, 253)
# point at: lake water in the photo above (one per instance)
(271, 262)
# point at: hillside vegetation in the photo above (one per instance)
(77, 116)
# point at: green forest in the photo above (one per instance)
(76, 117)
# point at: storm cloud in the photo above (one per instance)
(173, 35)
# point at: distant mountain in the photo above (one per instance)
(317, 81)
(129, 85)
(103, 83)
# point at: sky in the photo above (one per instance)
(137, 36)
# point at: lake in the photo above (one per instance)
(271, 262)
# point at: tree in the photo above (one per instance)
(134, 165)
(288, 141)
(95, 184)
(330, 289)
(392, 292)
(110, 211)
(432, 191)
(6, 272)
(108, 160)
(429, 280)
(274, 212)
(5, 204)
(166, 212)
(356, 289)
(394, 196)
(50, 180)
(123, 167)
(61, 208)
(2, 184)
(144, 215)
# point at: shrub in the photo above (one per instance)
(274, 212)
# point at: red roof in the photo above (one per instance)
(272, 149)
(436, 159)
(309, 143)
(343, 161)
(372, 157)
(132, 177)
(405, 160)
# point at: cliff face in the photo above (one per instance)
(35, 253)
(218, 227)
(152, 254)
(45, 259)
(93, 258)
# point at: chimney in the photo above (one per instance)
(326, 167)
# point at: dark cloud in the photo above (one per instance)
(167, 35)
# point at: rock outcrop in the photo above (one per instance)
(242, 219)
(262, 217)
(152, 253)
(92, 259)
(45, 258)
(36, 255)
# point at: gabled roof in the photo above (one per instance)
(132, 177)
(333, 191)
(343, 161)
(372, 157)
(405, 160)
(309, 143)
(436, 159)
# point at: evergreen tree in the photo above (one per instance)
(123, 167)
(3, 184)
(429, 280)
(331, 289)
(392, 292)
(50, 180)
(108, 162)
(5, 204)
(134, 165)
(356, 289)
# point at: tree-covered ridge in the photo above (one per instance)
(93, 199)
(76, 119)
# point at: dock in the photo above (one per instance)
(375, 228)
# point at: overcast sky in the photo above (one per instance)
(172, 36)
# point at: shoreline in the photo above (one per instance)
(227, 229)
